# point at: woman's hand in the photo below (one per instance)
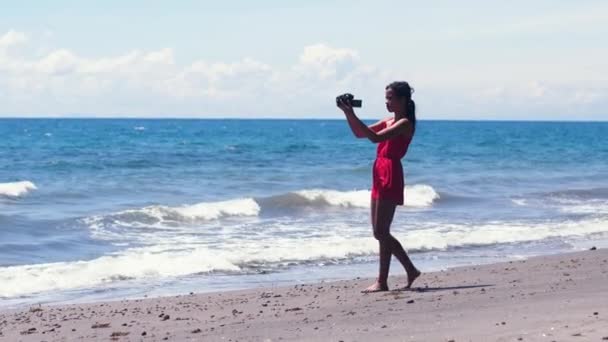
(346, 107)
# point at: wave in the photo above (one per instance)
(246, 255)
(590, 207)
(16, 189)
(159, 214)
(571, 201)
(159, 262)
(417, 196)
(563, 196)
(592, 193)
(317, 198)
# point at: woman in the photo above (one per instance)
(393, 136)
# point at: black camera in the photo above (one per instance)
(350, 99)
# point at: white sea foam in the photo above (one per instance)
(134, 264)
(160, 262)
(519, 201)
(570, 205)
(208, 211)
(448, 236)
(165, 216)
(419, 195)
(358, 198)
(592, 206)
(159, 214)
(272, 251)
(16, 189)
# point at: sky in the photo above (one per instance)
(468, 59)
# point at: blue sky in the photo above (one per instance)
(467, 59)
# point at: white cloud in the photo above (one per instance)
(152, 80)
(327, 62)
(222, 72)
(120, 64)
(12, 38)
(59, 62)
(163, 56)
(152, 83)
(589, 96)
(538, 100)
(536, 92)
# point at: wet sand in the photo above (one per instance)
(552, 298)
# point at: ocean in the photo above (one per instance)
(98, 209)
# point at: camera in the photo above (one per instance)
(350, 99)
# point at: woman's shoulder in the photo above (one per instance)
(386, 121)
(389, 121)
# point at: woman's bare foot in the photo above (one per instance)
(411, 276)
(376, 287)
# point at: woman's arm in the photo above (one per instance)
(358, 132)
(375, 133)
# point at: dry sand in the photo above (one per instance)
(553, 298)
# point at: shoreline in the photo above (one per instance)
(555, 297)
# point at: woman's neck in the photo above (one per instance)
(399, 115)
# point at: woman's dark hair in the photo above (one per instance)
(403, 89)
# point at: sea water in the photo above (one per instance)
(96, 209)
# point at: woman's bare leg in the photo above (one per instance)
(404, 259)
(382, 213)
(385, 211)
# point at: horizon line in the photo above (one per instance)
(281, 118)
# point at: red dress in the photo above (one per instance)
(387, 173)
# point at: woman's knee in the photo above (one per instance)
(382, 235)
(382, 217)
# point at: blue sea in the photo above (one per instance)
(98, 209)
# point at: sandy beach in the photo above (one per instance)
(551, 298)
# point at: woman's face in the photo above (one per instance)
(393, 103)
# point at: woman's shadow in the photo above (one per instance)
(441, 288)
